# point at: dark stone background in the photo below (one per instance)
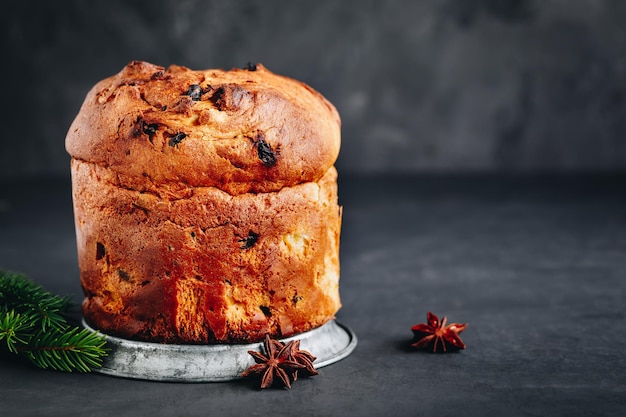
(450, 85)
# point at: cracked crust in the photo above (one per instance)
(205, 205)
(238, 130)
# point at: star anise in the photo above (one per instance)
(275, 363)
(437, 336)
(302, 357)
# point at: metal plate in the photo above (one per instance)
(212, 363)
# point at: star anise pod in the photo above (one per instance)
(275, 363)
(437, 336)
(304, 358)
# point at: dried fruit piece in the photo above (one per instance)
(266, 154)
(123, 275)
(266, 311)
(228, 97)
(149, 128)
(250, 66)
(158, 75)
(264, 151)
(100, 251)
(177, 138)
(249, 240)
(195, 92)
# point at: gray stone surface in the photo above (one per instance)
(451, 85)
(535, 266)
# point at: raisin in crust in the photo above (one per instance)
(205, 205)
(238, 130)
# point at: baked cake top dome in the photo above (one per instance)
(242, 130)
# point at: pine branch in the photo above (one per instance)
(15, 329)
(32, 324)
(74, 349)
(32, 301)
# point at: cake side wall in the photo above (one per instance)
(209, 267)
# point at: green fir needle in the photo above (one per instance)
(33, 325)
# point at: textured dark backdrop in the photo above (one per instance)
(449, 85)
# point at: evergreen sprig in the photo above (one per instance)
(31, 300)
(32, 324)
(15, 329)
(73, 349)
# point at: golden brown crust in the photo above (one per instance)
(205, 205)
(208, 268)
(238, 130)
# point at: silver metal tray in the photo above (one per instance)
(212, 363)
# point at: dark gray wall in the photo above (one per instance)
(453, 85)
